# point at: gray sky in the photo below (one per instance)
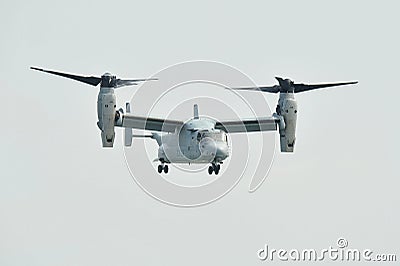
(66, 201)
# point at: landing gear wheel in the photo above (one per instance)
(166, 169)
(216, 170)
(210, 170)
(160, 168)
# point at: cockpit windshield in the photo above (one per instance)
(218, 136)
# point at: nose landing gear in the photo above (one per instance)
(162, 167)
(214, 167)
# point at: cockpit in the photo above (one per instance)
(216, 136)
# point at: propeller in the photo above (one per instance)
(106, 80)
(287, 85)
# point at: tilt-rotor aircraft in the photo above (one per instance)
(199, 140)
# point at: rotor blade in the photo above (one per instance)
(271, 89)
(94, 81)
(139, 80)
(300, 87)
(280, 80)
(122, 83)
(130, 82)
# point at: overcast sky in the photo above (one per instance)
(64, 200)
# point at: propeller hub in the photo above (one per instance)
(285, 84)
(108, 81)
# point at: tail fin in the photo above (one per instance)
(196, 111)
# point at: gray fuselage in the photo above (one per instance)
(197, 141)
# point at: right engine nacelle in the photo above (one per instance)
(287, 127)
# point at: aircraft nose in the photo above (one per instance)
(222, 151)
(217, 149)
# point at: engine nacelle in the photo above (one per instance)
(128, 135)
(287, 125)
(107, 131)
(106, 103)
(107, 140)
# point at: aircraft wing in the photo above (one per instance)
(148, 123)
(248, 125)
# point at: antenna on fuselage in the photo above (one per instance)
(196, 111)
